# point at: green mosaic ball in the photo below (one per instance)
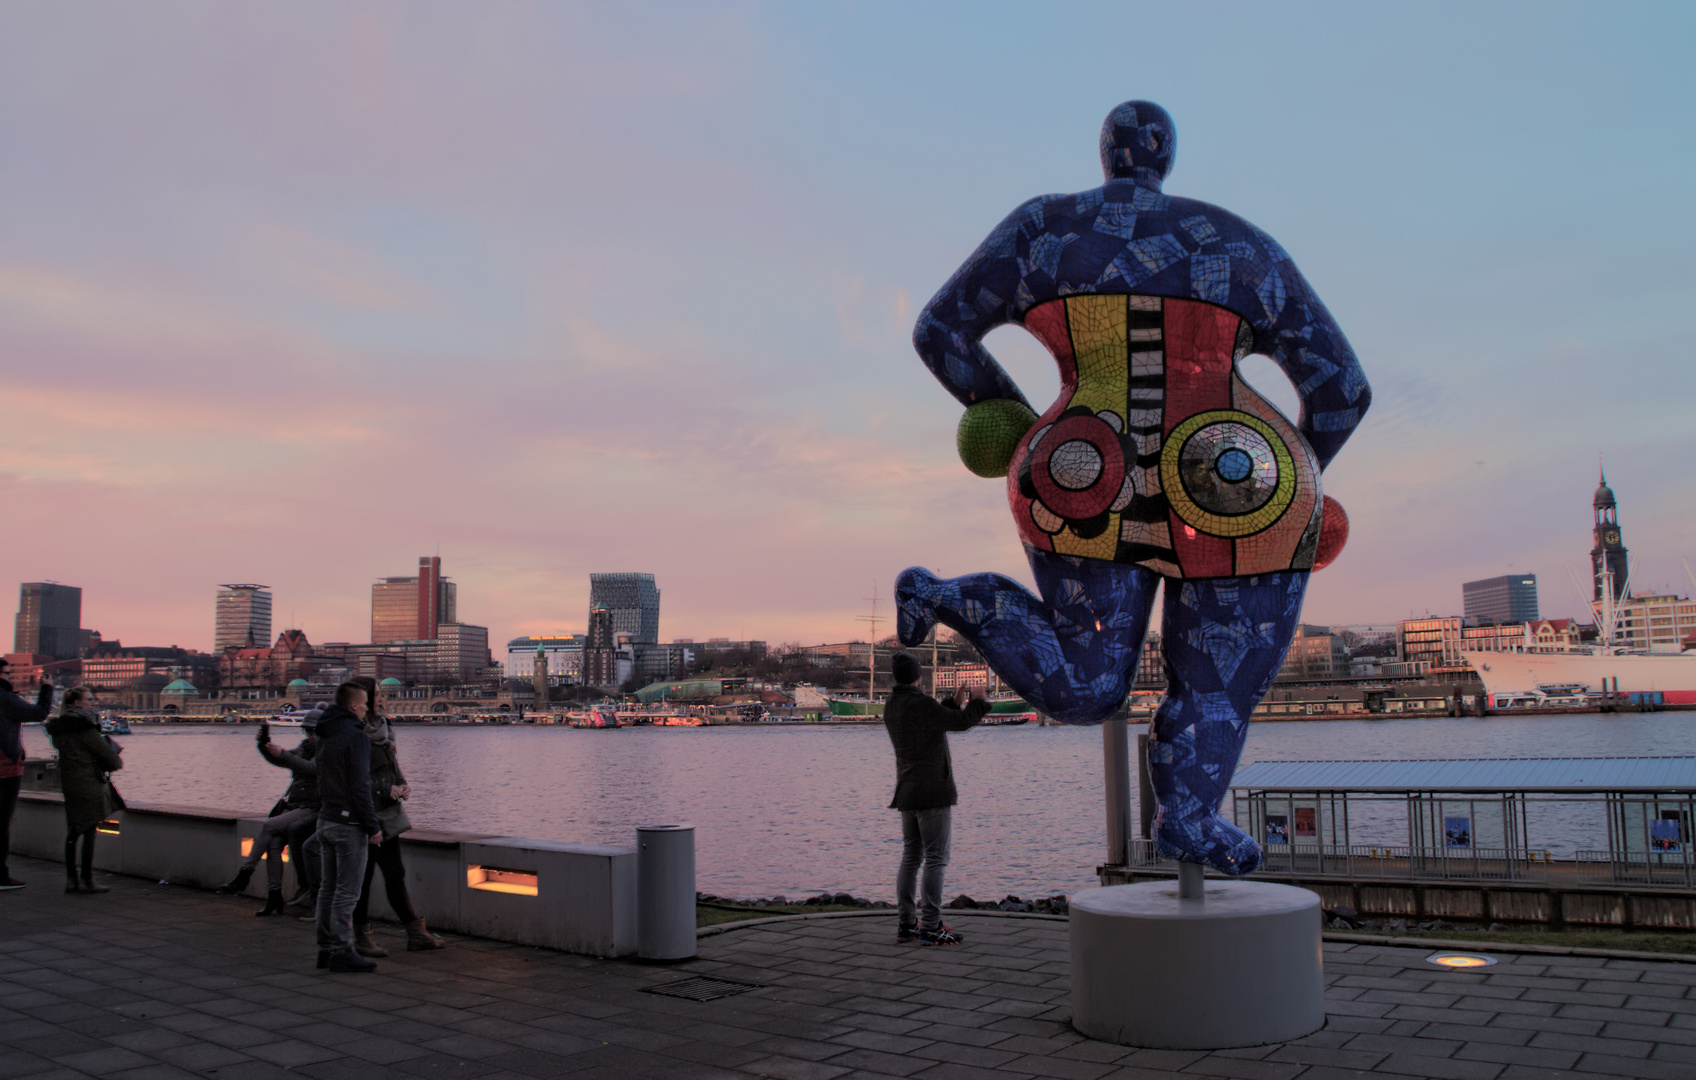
(989, 433)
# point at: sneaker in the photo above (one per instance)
(12, 883)
(940, 936)
(906, 933)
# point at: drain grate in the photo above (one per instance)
(702, 988)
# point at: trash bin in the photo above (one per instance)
(665, 892)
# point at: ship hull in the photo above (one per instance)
(1672, 677)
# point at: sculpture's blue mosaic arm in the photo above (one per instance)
(977, 299)
(1127, 236)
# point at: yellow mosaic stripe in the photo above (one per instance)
(1100, 346)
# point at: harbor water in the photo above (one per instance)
(796, 809)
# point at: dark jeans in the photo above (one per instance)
(9, 788)
(344, 849)
(387, 856)
(269, 844)
(87, 836)
(924, 844)
(304, 850)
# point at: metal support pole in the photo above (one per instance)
(1190, 881)
(1115, 749)
(1146, 803)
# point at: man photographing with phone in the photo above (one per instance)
(925, 794)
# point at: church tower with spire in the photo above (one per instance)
(1608, 554)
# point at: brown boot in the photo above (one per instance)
(419, 939)
(364, 944)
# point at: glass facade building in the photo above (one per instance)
(634, 602)
(243, 618)
(49, 620)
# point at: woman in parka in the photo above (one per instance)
(86, 760)
(388, 789)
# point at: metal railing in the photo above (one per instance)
(1672, 869)
(1389, 862)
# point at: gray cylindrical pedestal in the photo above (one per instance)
(1239, 968)
(665, 892)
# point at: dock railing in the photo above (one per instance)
(1383, 861)
(1671, 869)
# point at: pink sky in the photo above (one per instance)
(297, 294)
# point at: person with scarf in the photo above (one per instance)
(14, 713)
(86, 761)
(388, 789)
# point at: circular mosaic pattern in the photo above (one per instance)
(1227, 473)
(1075, 465)
(1078, 467)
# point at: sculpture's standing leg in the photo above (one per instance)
(1224, 640)
(1072, 653)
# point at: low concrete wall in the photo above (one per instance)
(574, 897)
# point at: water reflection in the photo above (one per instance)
(801, 808)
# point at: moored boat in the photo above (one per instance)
(1650, 678)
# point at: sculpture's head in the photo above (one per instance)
(1138, 142)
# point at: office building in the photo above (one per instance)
(49, 620)
(1315, 653)
(1660, 624)
(410, 608)
(1434, 641)
(632, 600)
(462, 652)
(1511, 598)
(243, 617)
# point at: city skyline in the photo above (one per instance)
(457, 299)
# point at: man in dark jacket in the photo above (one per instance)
(925, 794)
(14, 712)
(347, 826)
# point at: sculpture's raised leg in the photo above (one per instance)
(1072, 653)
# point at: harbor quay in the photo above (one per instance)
(156, 981)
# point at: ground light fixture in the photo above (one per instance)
(1459, 961)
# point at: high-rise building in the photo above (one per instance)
(410, 608)
(49, 620)
(394, 609)
(1511, 598)
(632, 600)
(243, 617)
(1609, 555)
(600, 650)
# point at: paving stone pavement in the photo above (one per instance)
(153, 982)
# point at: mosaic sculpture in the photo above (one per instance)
(1157, 463)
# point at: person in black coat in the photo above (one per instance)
(14, 713)
(925, 794)
(87, 760)
(347, 826)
